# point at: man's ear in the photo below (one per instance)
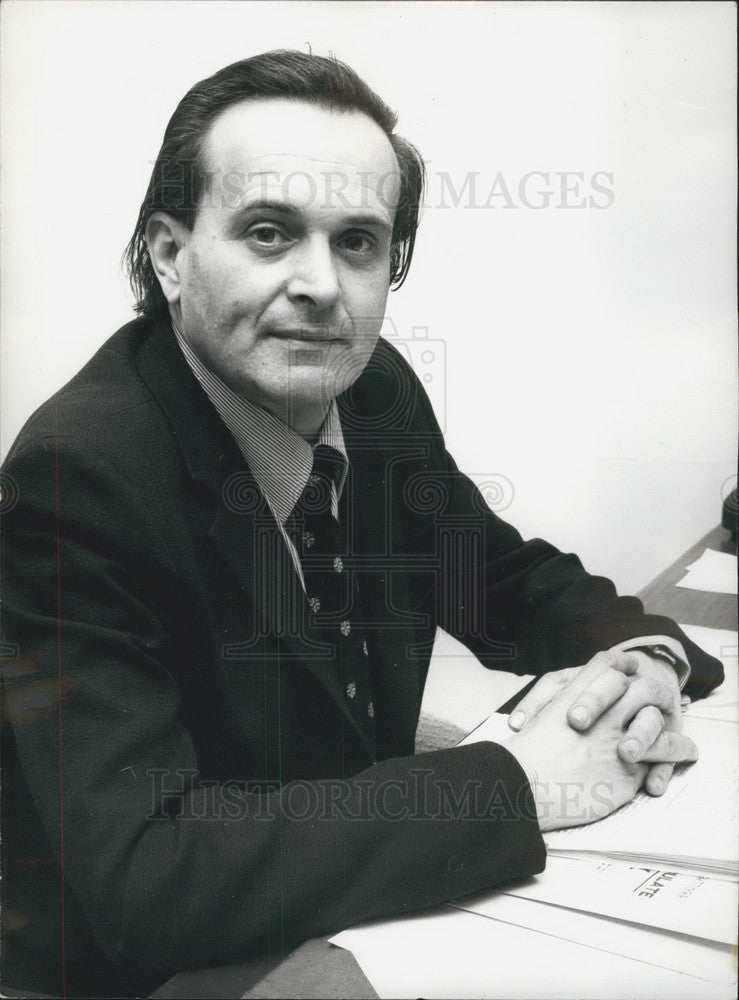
(165, 237)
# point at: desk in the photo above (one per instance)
(693, 607)
(317, 970)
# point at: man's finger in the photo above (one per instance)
(627, 663)
(570, 683)
(597, 698)
(658, 778)
(645, 691)
(601, 663)
(643, 730)
(538, 697)
(670, 747)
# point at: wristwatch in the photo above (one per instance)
(660, 652)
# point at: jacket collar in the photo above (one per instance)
(208, 449)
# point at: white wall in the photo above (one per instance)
(589, 351)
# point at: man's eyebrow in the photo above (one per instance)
(268, 205)
(285, 208)
(370, 220)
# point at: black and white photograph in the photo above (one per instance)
(369, 499)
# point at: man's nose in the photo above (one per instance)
(315, 278)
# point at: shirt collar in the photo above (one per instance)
(279, 459)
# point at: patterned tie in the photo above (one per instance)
(331, 601)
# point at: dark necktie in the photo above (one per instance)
(332, 601)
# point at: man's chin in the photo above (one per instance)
(308, 392)
(315, 376)
(315, 388)
(311, 354)
(323, 371)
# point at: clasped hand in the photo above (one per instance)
(607, 727)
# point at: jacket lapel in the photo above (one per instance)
(241, 525)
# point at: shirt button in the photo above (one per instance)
(345, 628)
(351, 689)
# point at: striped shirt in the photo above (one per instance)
(279, 458)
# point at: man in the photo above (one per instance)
(236, 533)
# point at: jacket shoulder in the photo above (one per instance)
(105, 399)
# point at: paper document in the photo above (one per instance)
(704, 959)
(450, 953)
(694, 822)
(723, 702)
(714, 572)
(685, 904)
(608, 857)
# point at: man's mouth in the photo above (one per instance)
(306, 334)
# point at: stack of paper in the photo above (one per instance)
(697, 905)
(524, 949)
(723, 703)
(642, 904)
(694, 824)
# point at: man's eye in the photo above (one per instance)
(267, 236)
(357, 243)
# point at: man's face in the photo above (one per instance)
(285, 274)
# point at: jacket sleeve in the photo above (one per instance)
(171, 872)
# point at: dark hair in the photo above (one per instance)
(177, 179)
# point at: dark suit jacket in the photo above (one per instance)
(173, 722)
